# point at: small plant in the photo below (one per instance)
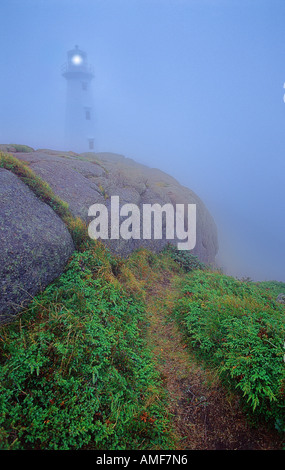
(103, 191)
(185, 259)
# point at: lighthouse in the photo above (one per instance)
(79, 125)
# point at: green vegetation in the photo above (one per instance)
(75, 370)
(274, 287)
(186, 260)
(103, 192)
(17, 148)
(239, 329)
(42, 190)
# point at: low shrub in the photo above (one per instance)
(186, 260)
(239, 329)
(75, 371)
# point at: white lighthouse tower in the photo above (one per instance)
(79, 130)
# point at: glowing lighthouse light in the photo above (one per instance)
(76, 59)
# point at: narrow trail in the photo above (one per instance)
(205, 416)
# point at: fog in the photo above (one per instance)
(192, 87)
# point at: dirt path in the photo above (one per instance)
(205, 416)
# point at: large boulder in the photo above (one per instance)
(34, 245)
(85, 179)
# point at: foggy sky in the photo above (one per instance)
(193, 87)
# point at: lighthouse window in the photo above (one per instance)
(84, 86)
(87, 114)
